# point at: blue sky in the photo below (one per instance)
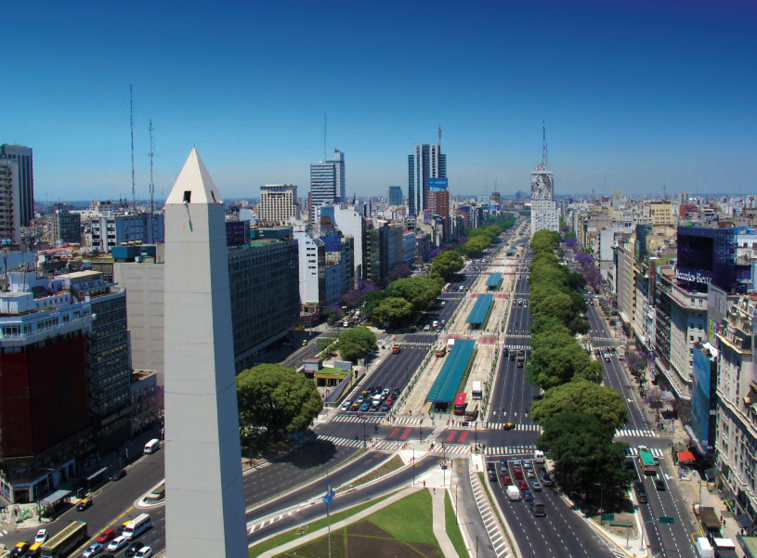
(642, 92)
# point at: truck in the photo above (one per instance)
(440, 350)
(724, 548)
(708, 519)
(450, 343)
(646, 460)
(471, 413)
(476, 391)
(395, 347)
(538, 456)
(704, 548)
(513, 494)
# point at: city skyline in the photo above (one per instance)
(633, 97)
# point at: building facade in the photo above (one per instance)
(394, 195)
(426, 162)
(110, 231)
(327, 183)
(278, 204)
(10, 210)
(65, 227)
(24, 157)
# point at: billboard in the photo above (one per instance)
(700, 397)
(327, 217)
(333, 243)
(437, 183)
(427, 215)
(237, 233)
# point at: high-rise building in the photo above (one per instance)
(10, 218)
(384, 247)
(24, 157)
(394, 195)
(544, 211)
(202, 417)
(426, 162)
(65, 226)
(278, 204)
(495, 197)
(327, 183)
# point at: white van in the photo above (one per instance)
(539, 456)
(152, 446)
(137, 526)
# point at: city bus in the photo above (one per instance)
(66, 541)
(441, 350)
(472, 413)
(460, 404)
(646, 459)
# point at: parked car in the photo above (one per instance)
(347, 405)
(642, 496)
(366, 406)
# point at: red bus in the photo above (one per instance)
(460, 404)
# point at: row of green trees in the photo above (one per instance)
(403, 299)
(578, 415)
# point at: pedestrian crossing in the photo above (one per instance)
(516, 347)
(522, 427)
(415, 344)
(373, 419)
(656, 452)
(510, 450)
(637, 433)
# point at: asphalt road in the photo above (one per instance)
(469, 517)
(113, 503)
(344, 501)
(562, 532)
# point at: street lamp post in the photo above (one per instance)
(413, 466)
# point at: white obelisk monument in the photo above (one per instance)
(205, 512)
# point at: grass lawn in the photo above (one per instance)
(453, 530)
(292, 534)
(401, 530)
(410, 519)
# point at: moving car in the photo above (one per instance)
(19, 549)
(366, 406)
(492, 476)
(535, 486)
(118, 475)
(107, 535)
(133, 548)
(528, 495)
(642, 496)
(546, 480)
(659, 485)
(507, 480)
(518, 473)
(145, 552)
(509, 426)
(92, 550)
(523, 485)
(117, 544)
(41, 536)
(347, 405)
(84, 504)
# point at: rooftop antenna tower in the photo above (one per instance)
(324, 136)
(152, 182)
(664, 195)
(440, 138)
(133, 183)
(544, 162)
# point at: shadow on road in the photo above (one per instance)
(312, 454)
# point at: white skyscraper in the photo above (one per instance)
(544, 212)
(205, 511)
(327, 182)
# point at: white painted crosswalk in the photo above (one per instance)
(656, 452)
(510, 450)
(501, 426)
(637, 433)
(376, 419)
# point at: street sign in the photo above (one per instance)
(667, 520)
(608, 517)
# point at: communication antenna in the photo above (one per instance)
(544, 162)
(152, 182)
(440, 138)
(324, 136)
(664, 195)
(133, 183)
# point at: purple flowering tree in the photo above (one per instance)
(571, 243)
(155, 404)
